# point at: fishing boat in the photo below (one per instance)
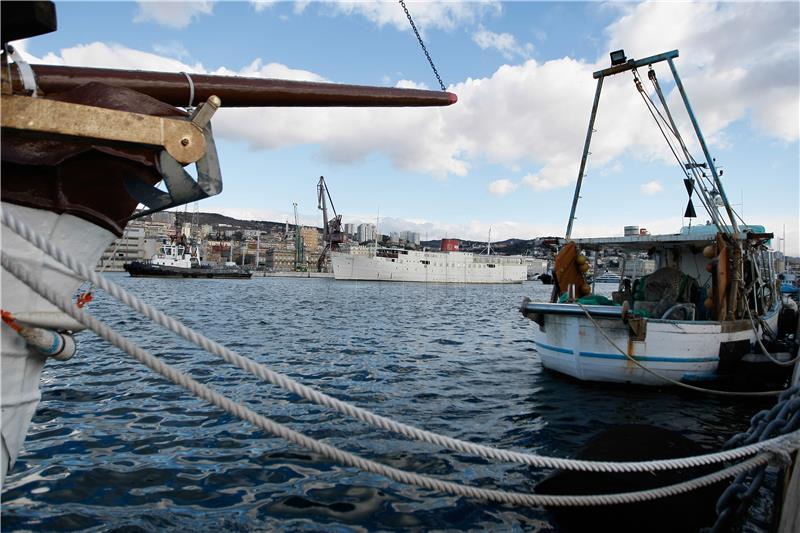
(81, 149)
(372, 263)
(176, 260)
(711, 301)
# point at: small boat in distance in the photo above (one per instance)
(607, 277)
(177, 260)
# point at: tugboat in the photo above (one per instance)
(177, 260)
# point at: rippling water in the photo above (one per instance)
(115, 446)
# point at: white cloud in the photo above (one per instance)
(505, 43)
(171, 49)
(262, 5)
(729, 73)
(426, 15)
(174, 14)
(651, 187)
(408, 84)
(533, 115)
(502, 187)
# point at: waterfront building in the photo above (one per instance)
(366, 232)
(134, 245)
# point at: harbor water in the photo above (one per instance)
(114, 446)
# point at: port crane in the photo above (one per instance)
(332, 234)
(299, 253)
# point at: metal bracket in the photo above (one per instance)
(183, 142)
(181, 187)
(183, 139)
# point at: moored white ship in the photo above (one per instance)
(370, 263)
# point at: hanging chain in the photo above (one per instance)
(422, 44)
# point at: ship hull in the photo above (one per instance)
(22, 366)
(138, 269)
(571, 344)
(428, 267)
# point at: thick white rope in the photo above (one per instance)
(358, 413)
(668, 379)
(242, 412)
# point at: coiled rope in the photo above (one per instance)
(358, 413)
(348, 459)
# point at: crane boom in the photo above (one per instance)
(299, 255)
(331, 228)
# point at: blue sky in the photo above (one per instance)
(506, 156)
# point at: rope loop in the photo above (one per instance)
(191, 90)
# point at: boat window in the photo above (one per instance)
(490, 266)
(424, 262)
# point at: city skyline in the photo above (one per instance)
(506, 155)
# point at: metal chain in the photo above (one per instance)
(422, 44)
(783, 418)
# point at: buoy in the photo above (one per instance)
(709, 252)
(581, 260)
(586, 289)
(583, 268)
(709, 303)
(710, 267)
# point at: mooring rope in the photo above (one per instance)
(668, 379)
(353, 411)
(788, 444)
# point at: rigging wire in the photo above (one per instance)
(673, 128)
(662, 123)
(422, 44)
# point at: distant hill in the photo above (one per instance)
(215, 219)
(506, 247)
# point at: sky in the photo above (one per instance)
(504, 157)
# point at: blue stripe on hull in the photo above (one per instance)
(552, 348)
(650, 358)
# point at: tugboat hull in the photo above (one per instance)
(139, 269)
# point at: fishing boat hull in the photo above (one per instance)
(571, 344)
(140, 269)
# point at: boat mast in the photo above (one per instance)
(584, 157)
(702, 141)
(618, 65)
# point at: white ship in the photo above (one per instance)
(371, 263)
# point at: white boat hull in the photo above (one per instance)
(452, 267)
(679, 350)
(21, 366)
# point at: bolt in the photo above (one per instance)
(185, 141)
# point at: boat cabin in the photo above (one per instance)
(692, 277)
